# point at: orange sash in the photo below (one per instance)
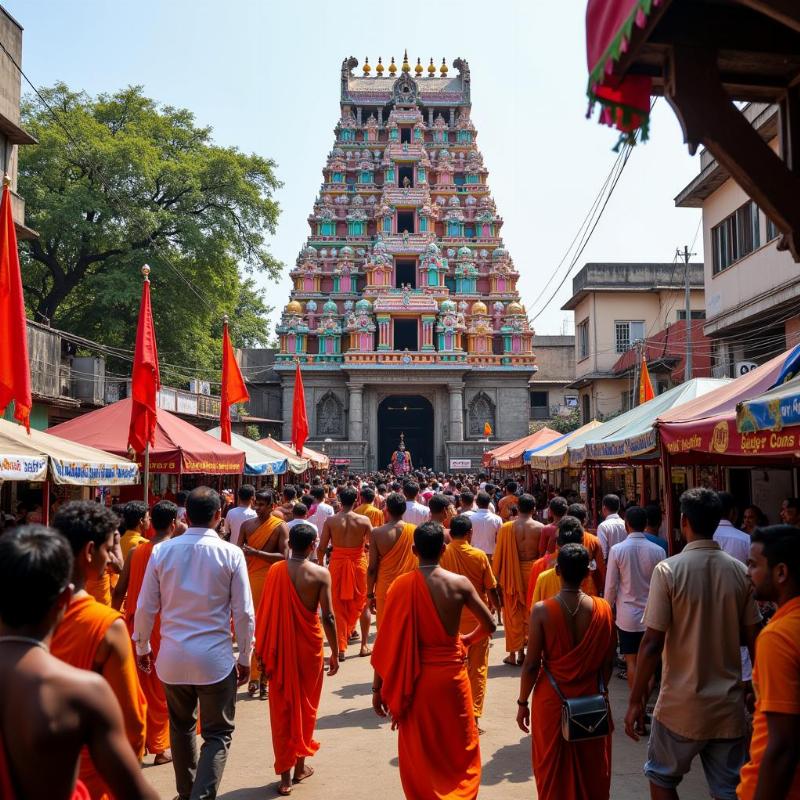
(512, 575)
(75, 641)
(399, 560)
(290, 644)
(461, 557)
(348, 568)
(257, 568)
(426, 688)
(564, 770)
(372, 513)
(157, 713)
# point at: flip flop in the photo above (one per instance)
(309, 773)
(367, 651)
(283, 792)
(512, 662)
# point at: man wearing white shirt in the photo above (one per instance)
(485, 525)
(611, 530)
(629, 569)
(735, 543)
(241, 513)
(198, 582)
(322, 510)
(416, 513)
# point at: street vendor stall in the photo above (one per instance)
(180, 449)
(259, 460)
(510, 456)
(313, 459)
(27, 456)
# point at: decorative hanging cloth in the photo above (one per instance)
(625, 103)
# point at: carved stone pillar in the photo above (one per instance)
(456, 412)
(355, 431)
(288, 402)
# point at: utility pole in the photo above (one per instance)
(687, 372)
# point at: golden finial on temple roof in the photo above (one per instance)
(392, 67)
(366, 66)
(379, 68)
(406, 65)
(443, 68)
(431, 69)
(418, 69)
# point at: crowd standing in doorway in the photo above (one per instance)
(123, 631)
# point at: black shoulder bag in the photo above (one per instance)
(586, 717)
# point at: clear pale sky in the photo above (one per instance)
(265, 76)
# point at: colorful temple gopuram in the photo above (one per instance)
(405, 313)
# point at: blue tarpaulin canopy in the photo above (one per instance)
(259, 460)
(773, 410)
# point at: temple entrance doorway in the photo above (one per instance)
(412, 416)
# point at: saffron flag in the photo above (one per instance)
(645, 386)
(299, 418)
(145, 380)
(233, 388)
(15, 376)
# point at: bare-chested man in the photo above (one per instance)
(516, 549)
(289, 642)
(347, 532)
(284, 510)
(390, 554)
(430, 699)
(46, 705)
(264, 542)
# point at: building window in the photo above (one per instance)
(626, 333)
(696, 314)
(772, 230)
(405, 221)
(627, 400)
(540, 405)
(735, 237)
(586, 408)
(583, 339)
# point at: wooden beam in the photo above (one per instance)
(786, 12)
(707, 116)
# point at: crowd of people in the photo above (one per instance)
(125, 631)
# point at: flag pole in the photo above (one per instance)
(146, 478)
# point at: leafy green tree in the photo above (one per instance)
(117, 181)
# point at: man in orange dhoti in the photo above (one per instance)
(548, 584)
(515, 551)
(390, 554)
(289, 644)
(264, 542)
(347, 532)
(164, 518)
(47, 706)
(572, 635)
(93, 636)
(420, 677)
(464, 559)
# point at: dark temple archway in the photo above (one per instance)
(411, 415)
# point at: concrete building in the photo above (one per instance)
(752, 289)
(615, 305)
(404, 310)
(11, 134)
(555, 362)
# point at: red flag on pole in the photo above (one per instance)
(645, 386)
(233, 388)
(15, 375)
(299, 418)
(145, 380)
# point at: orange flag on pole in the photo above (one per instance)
(15, 375)
(145, 379)
(233, 388)
(299, 418)
(645, 386)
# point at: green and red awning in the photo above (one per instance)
(624, 102)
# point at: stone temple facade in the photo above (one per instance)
(404, 311)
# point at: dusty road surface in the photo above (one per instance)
(357, 759)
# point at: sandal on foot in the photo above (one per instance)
(511, 661)
(252, 688)
(283, 792)
(309, 772)
(263, 692)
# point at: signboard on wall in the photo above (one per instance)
(340, 462)
(460, 463)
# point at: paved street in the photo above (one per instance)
(358, 756)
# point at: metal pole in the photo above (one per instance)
(687, 373)
(146, 480)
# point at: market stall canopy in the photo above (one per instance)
(633, 434)
(25, 457)
(509, 456)
(316, 459)
(774, 410)
(704, 56)
(706, 429)
(179, 449)
(258, 460)
(553, 454)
